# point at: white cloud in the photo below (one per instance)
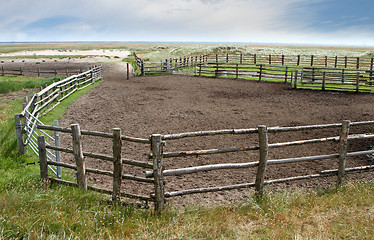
(164, 20)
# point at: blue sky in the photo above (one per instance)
(327, 22)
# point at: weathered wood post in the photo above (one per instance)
(269, 59)
(128, 70)
(343, 151)
(325, 61)
(282, 59)
(298, 60)
(311, 60)
(263, 144)
(358, 63)
(158, 168)
(43, 161)
(142, 68)
(345, 61)
(19, 134)
(79, 158)
(117, 164)
(241, 58)
(343, 70)
(295, 80)
(358, 82)
(237, 71)
(254, 59)
(57, 153)
(260, 73)
(323, 81)
(286, 75)
(336, 62)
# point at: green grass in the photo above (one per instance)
(11, 83)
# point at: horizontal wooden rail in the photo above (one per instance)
(189, 170)
(207, 152)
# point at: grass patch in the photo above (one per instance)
(10, 83)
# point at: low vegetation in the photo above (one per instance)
(16, 83)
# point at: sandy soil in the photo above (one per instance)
(98, 52)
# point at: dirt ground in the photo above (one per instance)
(142, 106)
(173, 104)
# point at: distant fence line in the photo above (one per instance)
(306, 77)
(42, 103)
(39, 72)
(170, 64)
(364, 63)
(156, 171)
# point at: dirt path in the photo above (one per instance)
(173, 104)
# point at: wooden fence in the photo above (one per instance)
(158, 172)
(363, 63)
(43, 102)
(305, 77)
(39, 72)
(169, 65)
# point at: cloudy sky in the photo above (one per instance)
(331, 22)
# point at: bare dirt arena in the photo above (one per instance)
(173, 104)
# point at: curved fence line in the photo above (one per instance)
(42, 103)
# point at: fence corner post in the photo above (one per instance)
(19, 134)
(117, 164)
(158, 168)
(43, 161)
(343, 151)
(79, 158)
(263, 147)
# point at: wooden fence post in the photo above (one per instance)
(282, 59)
(298, 60)
(263, 144)
(43, 161)
(241, 58)
(117, 164)
(311, 60)
(128, 70)
(79, 158)
(343, 70)
(143, 68)
(57, 153)
(286, 75)
(158, 169)
(358, 63)
(325, 61)
(345, 61)
(295, 80)
(343, 151)
(336, 61)
(260, 74)
(323, 81)
(254, 59)
(358, 82)
(237, 71)
(19, 134)
(269, 59)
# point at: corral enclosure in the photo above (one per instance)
(173, 104)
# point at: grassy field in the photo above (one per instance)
(27, 211)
